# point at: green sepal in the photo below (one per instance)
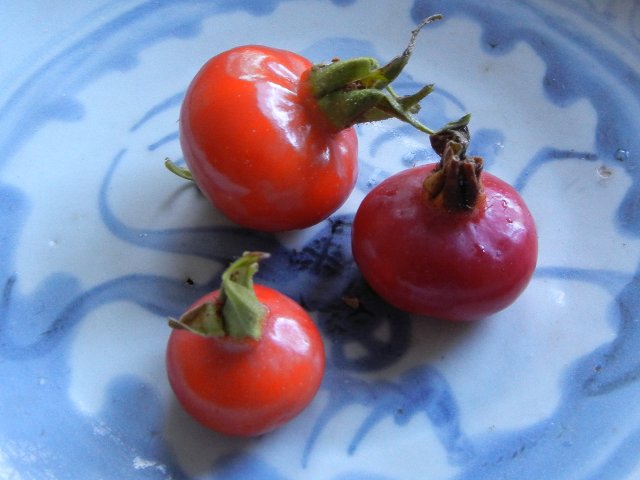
(358, 90)
(409, 104)
(237, 312)
(348, 107)
(455, 133)
(402, 108)
(204, 320)
(334, 76)
(241, 310)
(389, 72)
(412, 102)
(456, 124)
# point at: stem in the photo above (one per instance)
(237, 312)
(455, 183)
(456, 131)
(179, 171)
(358, 90)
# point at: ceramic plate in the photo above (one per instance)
(99, 244)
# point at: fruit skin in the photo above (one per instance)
(247, 387)
(257, 144)
(454, 265)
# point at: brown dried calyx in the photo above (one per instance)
(455, 183)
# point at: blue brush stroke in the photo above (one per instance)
(167, 104)
(611, 370)
(597, 387)
(546, 155)
(242, 466)
(168, 138)
(35, 339)
(420, 390)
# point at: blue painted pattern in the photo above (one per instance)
(37, 328)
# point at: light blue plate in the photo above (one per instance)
(99, 244)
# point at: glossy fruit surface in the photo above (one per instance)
(257, 144)
(428, 260)
(269, 139)
(240, 380)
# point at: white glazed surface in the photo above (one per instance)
(98, 241)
